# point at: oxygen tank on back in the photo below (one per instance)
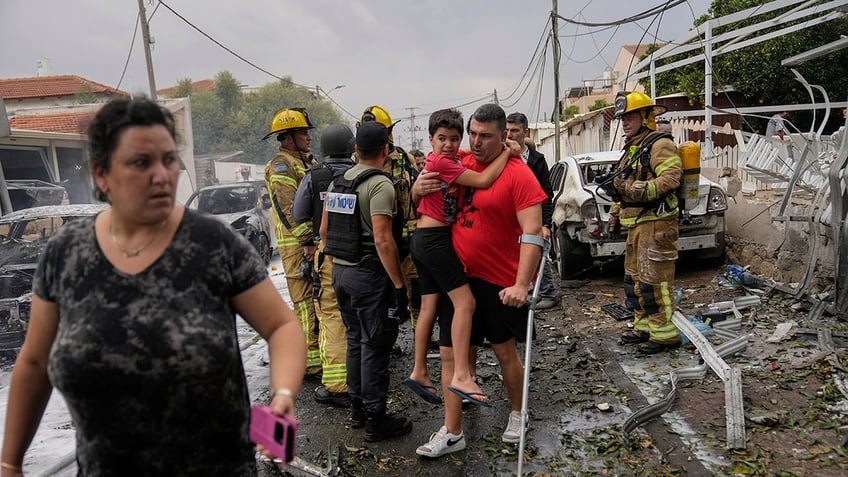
(690, 155)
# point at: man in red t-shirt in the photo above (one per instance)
(499, 267)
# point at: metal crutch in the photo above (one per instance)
(546, 247)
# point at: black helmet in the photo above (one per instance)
(337, 141)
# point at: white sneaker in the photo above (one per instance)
(441, 443)
(512, 434)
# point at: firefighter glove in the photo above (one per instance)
(305, 269)
(613, 226)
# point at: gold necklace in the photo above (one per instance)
(136, 252)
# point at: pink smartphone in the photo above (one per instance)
(275, 433)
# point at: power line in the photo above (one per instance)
(538, 70)
(599, 52)
(533, 59)
(245, 60)
(639, 16)
(318, 88)
(224, 47)
(129, 53)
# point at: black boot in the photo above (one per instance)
(652, 347)
(632, 337)
(330, 398)
(384, 426)
(357, 417)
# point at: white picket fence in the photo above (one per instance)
(767, 163)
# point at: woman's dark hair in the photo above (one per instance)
(104, 131)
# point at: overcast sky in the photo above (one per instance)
(426, 54)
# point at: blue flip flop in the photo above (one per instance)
(426, 392)
(470, 397)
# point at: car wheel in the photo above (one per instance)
(264, 249)
(574, 258)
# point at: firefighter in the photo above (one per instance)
(399, 166)
(646, 181)
(337, 146)
(295, 242)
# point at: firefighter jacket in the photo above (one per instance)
(396, 167)
(650, 173)
(283, 173)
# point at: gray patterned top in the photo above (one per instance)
(149, 364)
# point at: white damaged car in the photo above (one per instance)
(581, 241)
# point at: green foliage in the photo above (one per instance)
(756, 72)
(184, 88)
(226, 119)
(599, 104)
(570, 112)
(228, 91)
(86, 96)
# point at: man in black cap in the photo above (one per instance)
(356, 228)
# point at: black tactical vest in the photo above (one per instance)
(321, 176)
(345, 239)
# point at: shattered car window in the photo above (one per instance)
(591, 171)
(227, 201)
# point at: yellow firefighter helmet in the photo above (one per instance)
(289, 119)
(626, 102)
(379, 114)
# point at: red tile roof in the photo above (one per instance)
(64, 123)
(52, 86)
(202, 85)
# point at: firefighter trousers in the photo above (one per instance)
(300, 292)
(649, 258)
(332, 342)
(413, 291)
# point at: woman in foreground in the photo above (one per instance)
(132, 321)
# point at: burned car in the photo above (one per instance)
(581, 213)
(244, 205)
(23, 237)
(28, 193)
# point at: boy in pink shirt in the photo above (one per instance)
(439, 268)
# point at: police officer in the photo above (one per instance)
(356, 228)
(647, 178)
(295, 242)
(403, 173)
(337, 145)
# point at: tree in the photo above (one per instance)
(756, 72)
(184, 88)
(228, 91)
(570, 112)
(226, 119)
(599, 104)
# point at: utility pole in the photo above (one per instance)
(557, 112)
(145, 35)
(495, 97)
(413, 129)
